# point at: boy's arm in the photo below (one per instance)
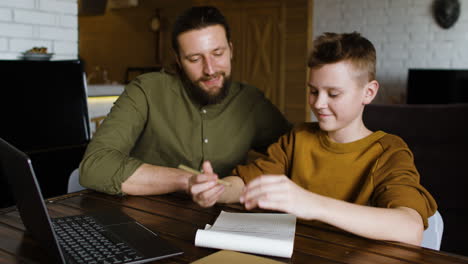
(276, 192)
(233, 192)
(400, 224)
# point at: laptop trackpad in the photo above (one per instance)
(143, 240)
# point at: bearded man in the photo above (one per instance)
(162, 120)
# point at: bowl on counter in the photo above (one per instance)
(37, 56)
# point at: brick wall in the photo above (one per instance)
(404, 33)
(48, 23)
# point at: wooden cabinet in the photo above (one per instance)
(271, 40)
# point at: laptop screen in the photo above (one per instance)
(47, 97)
(29, 200)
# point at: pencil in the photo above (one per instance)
(195, 172)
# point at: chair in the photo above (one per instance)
(432, 237)
(438, 137)
(97, 122)
(74, 182)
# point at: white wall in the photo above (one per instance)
(47, 23)
(404, 33)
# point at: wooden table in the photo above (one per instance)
(176, 218)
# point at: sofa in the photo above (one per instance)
(437, 134)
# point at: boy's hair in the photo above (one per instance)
(352, 47)
(198, 17)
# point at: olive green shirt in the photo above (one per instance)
(156, 121)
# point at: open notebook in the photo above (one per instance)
(258, 233)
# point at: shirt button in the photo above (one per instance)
(205, 140)
(203, 111)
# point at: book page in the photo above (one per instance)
(268, 234)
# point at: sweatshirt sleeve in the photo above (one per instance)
(107, 162)
(397, 181)
(277, 160)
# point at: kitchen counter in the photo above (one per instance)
(104, 89)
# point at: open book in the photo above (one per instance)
(258, 233)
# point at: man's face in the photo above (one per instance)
(205, 57)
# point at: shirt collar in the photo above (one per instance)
(214, 110)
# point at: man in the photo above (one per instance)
(163, 120)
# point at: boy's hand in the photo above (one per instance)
(204, 188)
(278, 193)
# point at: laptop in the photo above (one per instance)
(97, 237)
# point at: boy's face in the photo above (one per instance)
(337, 97)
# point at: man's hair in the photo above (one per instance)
(198, 17)
(351, 47)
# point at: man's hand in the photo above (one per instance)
(204, 188)
(274, 192)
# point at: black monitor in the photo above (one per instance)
(44, 104)
(437, 86)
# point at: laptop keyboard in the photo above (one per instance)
(86, 241)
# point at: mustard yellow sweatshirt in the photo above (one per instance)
(377, 170)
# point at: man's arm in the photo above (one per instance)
(107, 161)
(149, 180)
(276, 192)
(108, 165)
(271, 124)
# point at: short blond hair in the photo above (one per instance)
(352, 47)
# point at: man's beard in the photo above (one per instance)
(203, 97)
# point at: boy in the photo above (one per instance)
(338, 171)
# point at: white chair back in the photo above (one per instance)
(74, 182)
(432, 236)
